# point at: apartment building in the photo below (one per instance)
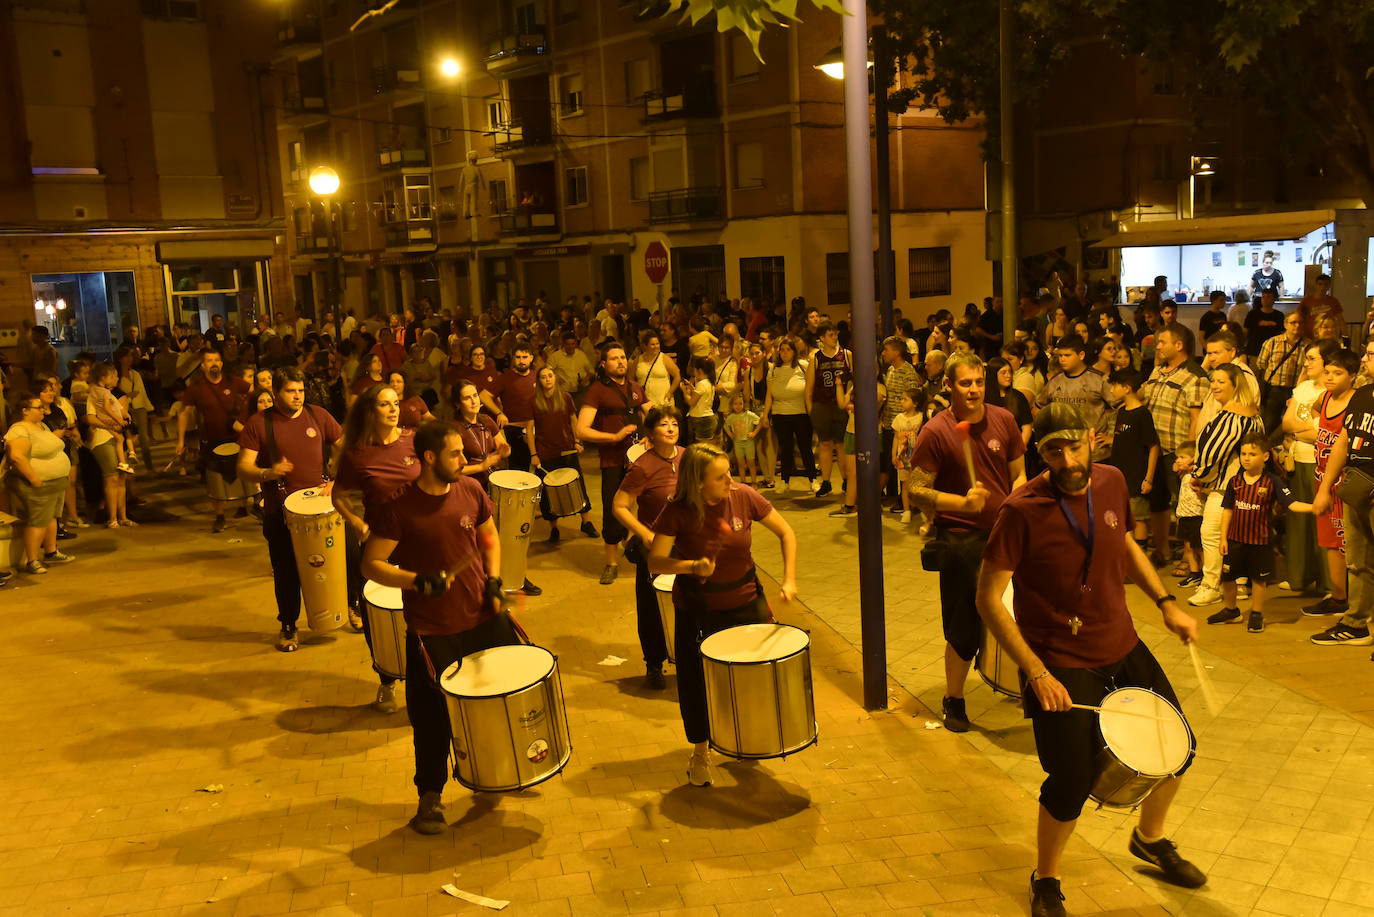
(594, 131)
(138, 181)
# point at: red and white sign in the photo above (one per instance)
(656, 262)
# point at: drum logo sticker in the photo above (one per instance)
(466, 522)
(310, 432)
(315, 560)
(737, 524)
(1110, 517)
(538, 751)
(408, 460)
(525, 528)
(530, 717)
(994, 445)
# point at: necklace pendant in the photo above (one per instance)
(1074, 624)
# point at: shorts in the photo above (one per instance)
(105, 456)
(850, 445)
(1253, 561)
(1164, 491)
(958, 583)
(36, 507)
(828, 421)
(1140, 508)
(1331, 527)
(1068, 742)
(1190, 531)
(745, 449)
(703, 428)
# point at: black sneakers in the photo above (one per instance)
(1046, 898)
(1327, 606)
(1163, 855)
(653, 677)
(589, 530)
(1343, 635)
(956, 717)
(1255, 622)
(1225, 616)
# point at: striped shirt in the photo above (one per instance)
(1250, 503)
(1171, 395)
(1218, 447)
(1280, 360)
(899, 378)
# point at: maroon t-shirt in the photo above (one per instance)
(616, 406)
(725, 534)
(996, 442)
(651, 480)
(413, 411)
(1033, 539)
(479, 441)
(393, 355)
(364, 383)
(219, 404)
(553, 434)
(517, 395)
(435, 533)
(299, 439)
(484, 378)
(380, 471)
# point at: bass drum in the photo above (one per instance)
(994, 665)
(317, 538)
(516, 495)
(663, 591)
(758, 690)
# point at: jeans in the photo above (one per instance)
(1359, 560)
(1211, 542)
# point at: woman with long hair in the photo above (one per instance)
(414, 409)
(553, 444)
(655, 371)
(755, 398)
(785, 410)
(704, 535)
(369, 374)
(484, 443)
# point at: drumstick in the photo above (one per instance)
(1204, 681)
(963, 427)
(1139, 713)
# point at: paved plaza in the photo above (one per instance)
(144, 675)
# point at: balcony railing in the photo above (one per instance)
(292, 34)
(528, 222)
(402, 157)
(304, 109)
(512, 50)
(696, 100)
(517, 135)
(311, 243)
(411, 232)
(685, 205)
(394, 79)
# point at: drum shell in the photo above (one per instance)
(318, 543)
(760, 709)
(508, 742)
(222, 482)
(1118, 785)
(667, 612)
(386, 628)
(996, 668)
(515, 509)
(1122, 780)
(568, 498)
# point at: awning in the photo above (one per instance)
(1258, 227)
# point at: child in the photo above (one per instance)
(78, 384)
(1329, 413)
(1245, 539)
(104, 410)
(1135, 451)
(701, 399)
(1188, 510)
(906, 425)
(742, 426)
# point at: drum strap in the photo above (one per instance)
(272, 456)
(751, 576)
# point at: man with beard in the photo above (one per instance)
(511, 399)
(609, 417)
(1065, 541)
(219, 401)
(970, 430)
(437, 543)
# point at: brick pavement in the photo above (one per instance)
(144, 673)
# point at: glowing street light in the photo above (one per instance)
(324, 181)
(450, 67)
(832, 65)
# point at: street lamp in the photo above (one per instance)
(450, 67)
(324, 181)
(1198, 167)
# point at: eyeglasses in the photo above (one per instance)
(33, 407)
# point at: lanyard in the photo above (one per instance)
(1087, 538)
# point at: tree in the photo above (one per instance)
(748, 16)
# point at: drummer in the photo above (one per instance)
(437, 542)
(1065, 541)
(286, 449)
(648, 484)
(376, 463)
(552, 441)
(709, 520)
(219, 400)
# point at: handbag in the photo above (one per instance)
(1356, 487)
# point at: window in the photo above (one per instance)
(636, 79)
(443, 135)
(928, 271)
(448, 202)
(570, 89)
(763, 278)
(500, 202)
(640, 178)
(527, 18)
(1162, 161)
(836, 278)
(496, 112)
(743, 64)
(1162, 77)
(575, 186)
(749, 165)
(565, 10)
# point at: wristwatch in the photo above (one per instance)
(1159, 602)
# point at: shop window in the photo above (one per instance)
(928, 272)
(84, 311)
(749, 165)
(575, 186)
(570, 92)
(640, 178)
(836, 278)
(500, 201)
(743, 64)
(763, 278)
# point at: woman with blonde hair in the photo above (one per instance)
(704, 535)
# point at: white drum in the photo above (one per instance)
(633, 453)
(663, 591)
(998, 671)
(386, 628)
(758, 690)
(222, 481)
(516, 495)
(510, 728)
(565, 493)
(317, 536)
(1146, 741)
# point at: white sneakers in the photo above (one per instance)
(1204, 596)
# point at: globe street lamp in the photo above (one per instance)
(324, 181)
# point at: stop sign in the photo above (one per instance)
(656, 262)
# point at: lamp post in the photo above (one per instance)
(1198, 167)
(324, 181)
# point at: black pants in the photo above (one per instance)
(652, 641)
(963, 552)
(794, 434)
(891, 488)
(695, 624)
(612, 532)
(519, 459)
(1273, 406)
(425, 704)
(286, 579)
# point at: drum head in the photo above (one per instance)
(513, 480)
(497, 671)
(664, 582)
(388, 597)
(560, 476)
(226, 449)
(633, 453)
(755, 643)
(1008, 597)
(309, 502)
(1155, 748)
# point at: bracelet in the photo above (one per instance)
(1159, 602)
(1044, 674)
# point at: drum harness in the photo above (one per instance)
(271, 442)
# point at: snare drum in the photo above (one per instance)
(564, 492)
(317, 537)
(998, 671)
(758, 690)
(663, 591)
(386, 628)
(1140, 752)
(222, 481)
(510, 729)
(515, 494)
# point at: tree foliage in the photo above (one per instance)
(750, 17)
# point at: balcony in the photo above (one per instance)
(526, 222)
(303, 110)
(298, 39)
(309, 243)
(516, 135)
(694, 100)
(388, 82)
(686, 205)
(406, 157)
(512, 53)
